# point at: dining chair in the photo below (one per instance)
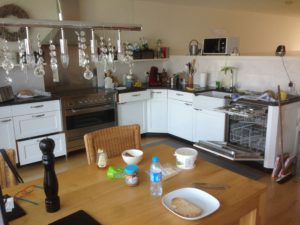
(113, 140)
(7, 178)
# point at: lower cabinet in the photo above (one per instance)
(30, 152)
(7, 134)
(208, 125)
(157, 111)
(180, 119)
(133, 113)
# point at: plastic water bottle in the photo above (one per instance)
(155, 177)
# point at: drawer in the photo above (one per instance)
(158, 93)
(133, 96)
(5, 111)
(37, 107)
(205, 102)
(29, 150)
(37, 124)
(181, 96)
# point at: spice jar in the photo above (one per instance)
(131, 175)
(101, 158)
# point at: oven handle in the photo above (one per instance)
(78, 111)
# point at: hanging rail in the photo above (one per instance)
(9, 22)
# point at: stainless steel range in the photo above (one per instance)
(85, 111)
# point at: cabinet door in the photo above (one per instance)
(133, 113)
(208, 126)
(180, 120)
(37, 124)
(7, 135)
(30, 152)
(158, 112)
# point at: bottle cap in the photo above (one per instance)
(155, 159)
(131, 169)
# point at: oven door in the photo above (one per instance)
(79, 121)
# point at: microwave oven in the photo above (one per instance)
(220, 46)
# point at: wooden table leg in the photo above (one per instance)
(249, 219)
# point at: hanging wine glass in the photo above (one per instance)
(30, 60)
(94, 53)
(22, 59)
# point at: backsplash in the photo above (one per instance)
(256, 73)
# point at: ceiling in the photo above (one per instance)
(281, 7)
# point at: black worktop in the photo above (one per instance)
(17, 101)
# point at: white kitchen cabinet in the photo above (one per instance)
(157, 111)
(29, 150)
(208, 125)
(132, 109)
(37, 124)
(7, 135)
(180, 119)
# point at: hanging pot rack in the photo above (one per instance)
(11, 22)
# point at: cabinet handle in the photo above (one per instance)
(179, 94)
(122, 103)
(5, 121)
(37, 106)
(189, 104)
(156, 92)
(198, 109)
(136, 95)
(37, 116)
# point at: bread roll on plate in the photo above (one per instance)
(185, 208)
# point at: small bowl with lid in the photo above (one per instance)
(132, 156)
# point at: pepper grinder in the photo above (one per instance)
(52, 201)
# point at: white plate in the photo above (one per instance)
(202, 199)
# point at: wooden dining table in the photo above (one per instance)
(112, 202)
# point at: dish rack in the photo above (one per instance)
(249, 132)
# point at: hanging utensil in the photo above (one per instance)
(194, 47)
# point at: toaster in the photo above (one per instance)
(6, 93)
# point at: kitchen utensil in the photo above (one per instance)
(280, 50)
(210, 186)
(194, 47)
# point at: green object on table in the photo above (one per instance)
(218, 85)
(115, 173)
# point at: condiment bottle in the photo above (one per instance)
(131, 175)
(102, 158)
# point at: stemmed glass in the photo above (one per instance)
(39, 70)
(53, 61)
(7, 64)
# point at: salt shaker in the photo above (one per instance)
(102, 158)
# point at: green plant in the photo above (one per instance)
(226, 69)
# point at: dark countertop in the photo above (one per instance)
(18, 101)
(195, 89)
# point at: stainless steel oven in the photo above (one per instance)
(86, 113)
(246, 131)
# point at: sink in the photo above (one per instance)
(210, 100)
(216, 94)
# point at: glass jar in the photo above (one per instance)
(131, 175)
(101, 158)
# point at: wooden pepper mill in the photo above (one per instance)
(50, 180)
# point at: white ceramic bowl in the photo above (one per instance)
(132, 156)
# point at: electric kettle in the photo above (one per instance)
(194, 47)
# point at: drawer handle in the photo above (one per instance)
(122, 103)
(188, 104)
(198, 109)
(38, 116)
(37, 106)
(156, 92)
(179, 94)
(136, 95)
(5, 121)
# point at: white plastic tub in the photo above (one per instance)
(185, 158)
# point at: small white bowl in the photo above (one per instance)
(132, 156)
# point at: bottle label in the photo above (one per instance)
(155, 177)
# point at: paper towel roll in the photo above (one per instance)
(203, 80)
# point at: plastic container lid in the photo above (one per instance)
(131, 169)
(155, 159)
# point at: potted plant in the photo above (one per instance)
(229, 69)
